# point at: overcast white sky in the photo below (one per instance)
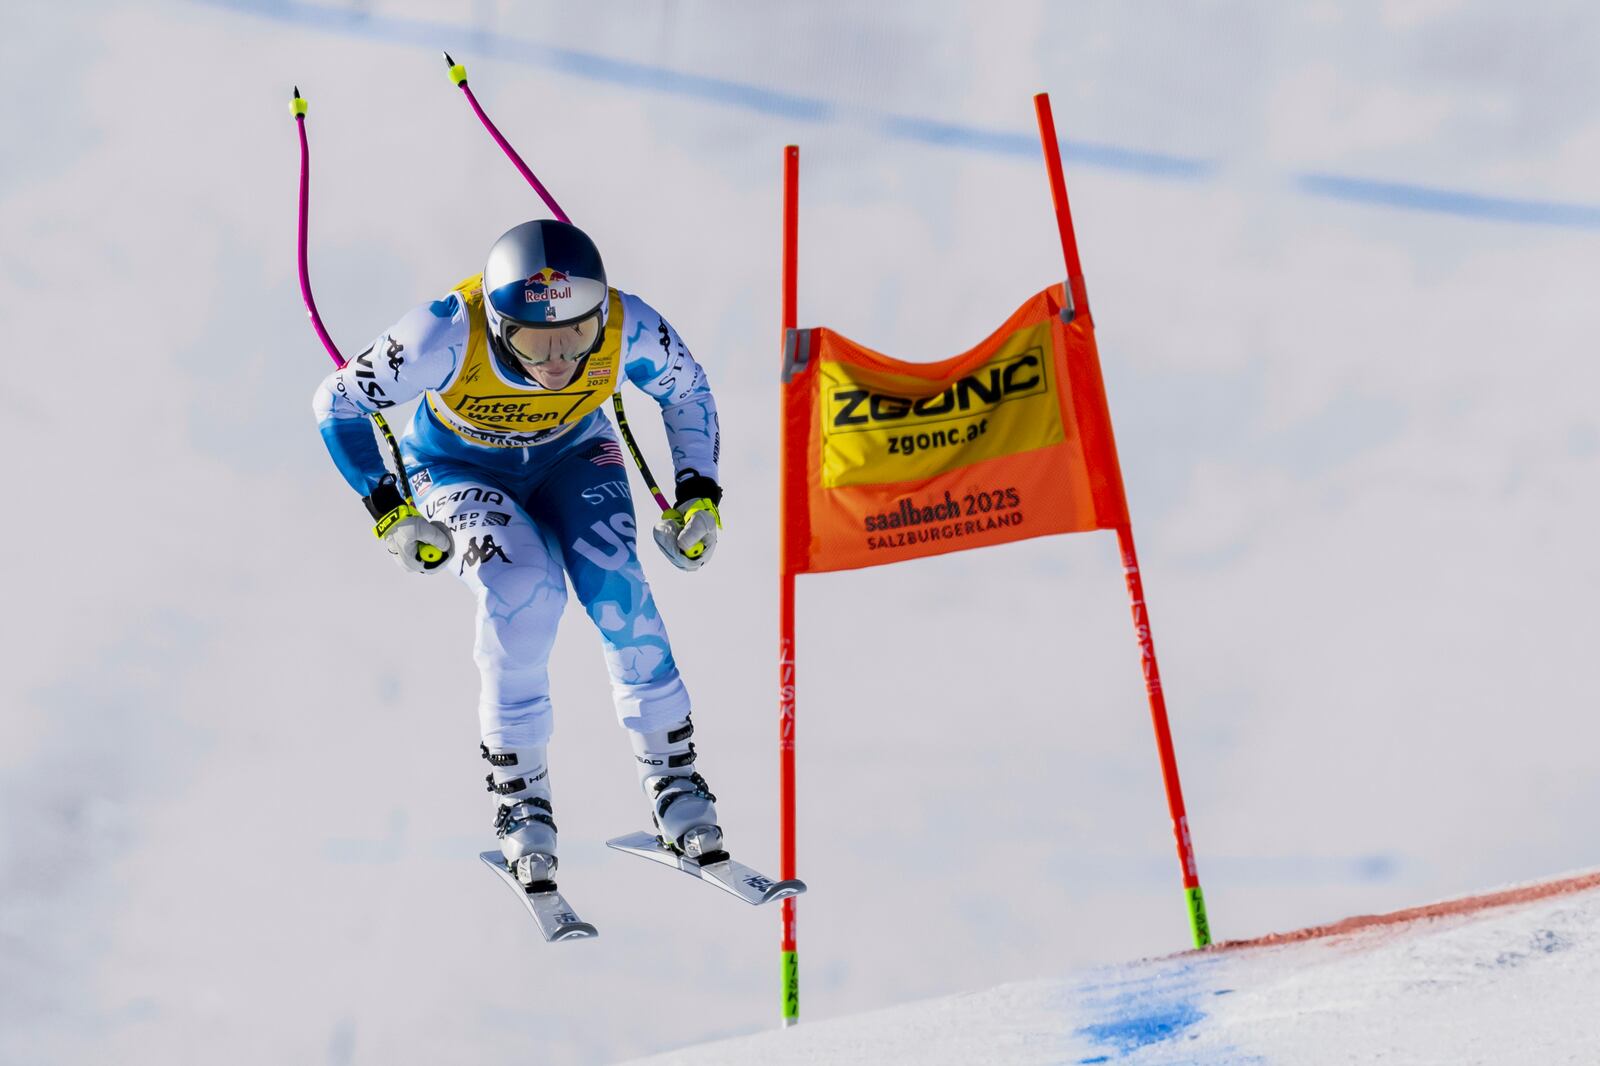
(1341, 258)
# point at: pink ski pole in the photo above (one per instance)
(298, 108)
(458, 75)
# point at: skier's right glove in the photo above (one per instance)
(417, 544)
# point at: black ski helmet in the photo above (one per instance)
(540, 275)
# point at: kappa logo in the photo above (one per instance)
(478, 553)
(858, 409)
(396, 360)
(668, 381)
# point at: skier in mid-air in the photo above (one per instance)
(521, 485)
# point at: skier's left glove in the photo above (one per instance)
(418, 545)
(687, 534)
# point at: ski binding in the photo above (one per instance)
(556, 920)
(734, 878)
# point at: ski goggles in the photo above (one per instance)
(557, 342)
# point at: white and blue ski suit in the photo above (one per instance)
(533, 486)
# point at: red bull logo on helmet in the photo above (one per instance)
(542, 286)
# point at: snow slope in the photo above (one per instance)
(1508, 978)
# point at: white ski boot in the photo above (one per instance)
(523, 822)
(681, 803)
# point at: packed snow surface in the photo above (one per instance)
(1503, 984)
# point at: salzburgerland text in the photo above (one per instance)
(951, 531)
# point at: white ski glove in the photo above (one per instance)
(418, 545)
(687, 534)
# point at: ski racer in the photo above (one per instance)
(522, 485)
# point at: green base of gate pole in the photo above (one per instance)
(791, 988)
(1198, 925)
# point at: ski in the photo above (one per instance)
(555, 918)
(734, 878)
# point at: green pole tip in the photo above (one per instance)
(458, 73)
(297, 105)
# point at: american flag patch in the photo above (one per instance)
(607, 453)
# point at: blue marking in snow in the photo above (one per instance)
(717, 90)
(1160, 1022)
(589, 65)
(595, 67)
(1150, 1008)
(1026, 145)
(955, 135)
(1376, 867)
(1449, 202)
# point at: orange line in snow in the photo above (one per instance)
(1470, 904)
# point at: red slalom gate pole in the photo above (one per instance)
(1199, 926)
(790, 991)
(1077, 292)
(1078, 302)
